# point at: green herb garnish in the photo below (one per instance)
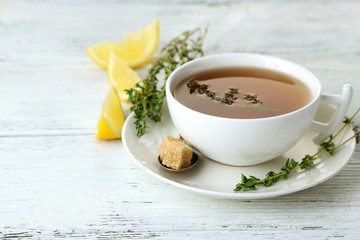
(253, 98)
(229, 96)
(326, 148)
(146, 98)
(197, 88)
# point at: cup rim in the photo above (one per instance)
(170, 96)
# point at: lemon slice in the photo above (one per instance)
(100, 53)
(112, 117)
(136, 48)
(121, 76)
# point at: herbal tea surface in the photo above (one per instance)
(243, 93)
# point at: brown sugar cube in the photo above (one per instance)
(175, 153)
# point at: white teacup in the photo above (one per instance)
(263, 138)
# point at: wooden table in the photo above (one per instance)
(58, 181)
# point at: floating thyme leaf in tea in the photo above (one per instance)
(197, 88)
(252, 98)
(228, 98)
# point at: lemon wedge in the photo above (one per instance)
(121, 76)
(112, 117)
(100, 53)
(136, 48)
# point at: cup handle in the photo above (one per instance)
(342, 102)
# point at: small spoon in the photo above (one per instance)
(194, 161)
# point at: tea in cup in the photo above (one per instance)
(244, 109)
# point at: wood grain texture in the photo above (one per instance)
(57, 181)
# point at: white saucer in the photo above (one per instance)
(215, 179)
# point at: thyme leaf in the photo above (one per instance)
(250, 183)
(253, 98)
(147, 97)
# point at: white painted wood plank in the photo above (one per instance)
(72, 185)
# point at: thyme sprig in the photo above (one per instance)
(326, 148)
(228, 99)
(146, 97)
